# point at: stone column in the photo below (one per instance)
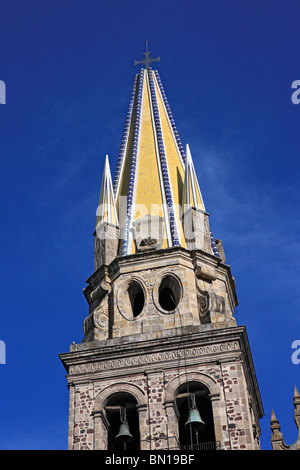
(144, 427)
(157, 416)
(106, 244)
(218, 424)
(101, 426)
(196, 229)
(173, 430)
(71, 416)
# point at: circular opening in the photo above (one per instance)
(136, 297)
(169, 293)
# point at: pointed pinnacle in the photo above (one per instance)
(273, 417)
(274, 422)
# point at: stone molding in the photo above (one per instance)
(205, 379)
(156, 357)
(118, 387)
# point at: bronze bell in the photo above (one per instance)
(124, 433)
(195, 420)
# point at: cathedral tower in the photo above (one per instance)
(163, 363)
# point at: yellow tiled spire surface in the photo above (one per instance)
(154, 175)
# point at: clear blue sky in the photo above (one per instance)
(227, 68)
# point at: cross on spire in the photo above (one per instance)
(148, 60)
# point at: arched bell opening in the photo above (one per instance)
(122, 415)
(169, 293)
(136, 298)
(196, 424)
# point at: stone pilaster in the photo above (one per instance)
(101, 426)
(196, 229)
(106, 244)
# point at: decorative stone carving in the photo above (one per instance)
(156, 358)
(209, 303)
(206, 273)
(221, 250)
(148, 278)
(100, 291)
(98, 319)
(196, 229)
(148, 281)
(148, 232)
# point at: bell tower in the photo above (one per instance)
(163, 363)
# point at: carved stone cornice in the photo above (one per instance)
(117, 357)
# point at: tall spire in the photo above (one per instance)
(107, 224)
(191, 190)
(150, 168)
(155, 177)
(106, 211)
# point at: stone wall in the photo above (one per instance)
(202, 287)
(151, 372)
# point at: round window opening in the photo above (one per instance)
(169, 293)
(136, 298)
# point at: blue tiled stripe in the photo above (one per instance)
(214, 246)
(133, 163)
(125, 137)
(163, 162)
(179, 144)
(172, 122)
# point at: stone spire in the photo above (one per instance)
(192, 196)
(277, 439)
(297, 415)
(106, 211)
(107, 224)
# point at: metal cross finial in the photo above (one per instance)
(147, 61)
